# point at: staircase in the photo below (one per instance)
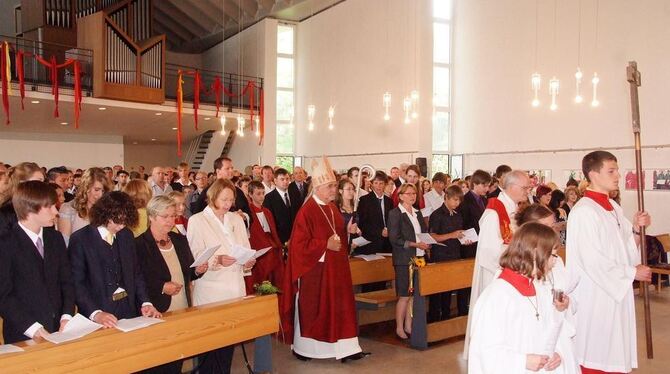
(229, 143)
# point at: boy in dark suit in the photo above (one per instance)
(446, 227)
(109, 284)
(278, 202)
(36, 290)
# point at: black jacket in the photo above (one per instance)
(86, 251)
(33, 289)
(156, 271)
(401, 232)
(282, 214)
(371, 222)
(296, 196)
(472, 211)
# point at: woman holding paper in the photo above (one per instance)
(404, 224)
(516, 322)
(216, 225)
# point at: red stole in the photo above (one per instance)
(181, 220)
(326, 302)
(520, 282)
(269, 266)
(601, 198)
(505, 230)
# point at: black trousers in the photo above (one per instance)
(218, 361)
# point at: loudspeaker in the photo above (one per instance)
(422, 163)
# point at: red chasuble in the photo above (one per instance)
(326, 301)
(269, 266)
(503, 218)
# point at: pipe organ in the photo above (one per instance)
(121, 59)
(152, 66)
(58, 13)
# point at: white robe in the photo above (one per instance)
(603, 256)
(219, 283)
(489, 248)
(505, 330)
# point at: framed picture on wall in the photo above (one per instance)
(660, 179)
(539, 176)
(575, 174)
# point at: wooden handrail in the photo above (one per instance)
(185, 333)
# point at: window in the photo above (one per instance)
(441, 85)
(285, 95)
(456, 170)
(18, 27)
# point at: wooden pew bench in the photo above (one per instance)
(662, 269)
(185, 333)
(374, 306)
(432, 279)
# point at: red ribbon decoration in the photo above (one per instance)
(216, 87)
(196, 97)
(5, 83)
(21, 74)
(261, 108)
(180, 103)
(53, 67)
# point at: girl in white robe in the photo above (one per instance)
(516, 325)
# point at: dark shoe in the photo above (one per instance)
(300, 357)
(355, 357)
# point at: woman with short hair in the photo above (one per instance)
(74, 214)
(217, 225)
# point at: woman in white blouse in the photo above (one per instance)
(224, 280)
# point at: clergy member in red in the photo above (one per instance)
(263, 234)
(317, 307)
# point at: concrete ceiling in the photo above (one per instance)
(192, 26)
(137, 123)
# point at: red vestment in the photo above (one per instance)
(326, 302)
(269, 266)
(503, 218)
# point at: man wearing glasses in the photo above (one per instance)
(495, 233)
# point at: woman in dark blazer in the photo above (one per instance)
(165, 258)
(404, 222)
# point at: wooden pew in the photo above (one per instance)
(375, 306)
(661, 269)
(432, 279)
(185, 333)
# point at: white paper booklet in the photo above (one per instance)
(370, 257)
(78, 327)
(469, 234)
(131, 324)
(241, 254)
(426, 238)
(205, 256)
(10, 348)
(261, 252)
(360, 241)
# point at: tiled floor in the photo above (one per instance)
(445, 357)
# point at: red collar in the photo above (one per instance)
(522, 283)
(601, 198)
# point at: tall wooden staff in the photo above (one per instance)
(634, 80)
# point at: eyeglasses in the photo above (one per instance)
(409, 193)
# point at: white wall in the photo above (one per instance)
(346, 59)
(7, 23)
(494, 59)
(71, 150)
(149, 155)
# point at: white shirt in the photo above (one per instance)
(416, 225)
(268, 188)
(30, 332)
(283, 194)
(602, 252)
(433, 201)
(157, 190)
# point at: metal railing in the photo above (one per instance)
(37, 77)
(232, 82)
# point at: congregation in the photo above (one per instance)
(113, 244)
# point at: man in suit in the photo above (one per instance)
(298, 189)
(223, 167)
(373, 210)
(59, 175)
(473, 206)
(109, 284)
(501, 171)
(278, 202)
(36, 291)
(200, 185)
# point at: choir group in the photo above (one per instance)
(112, 244)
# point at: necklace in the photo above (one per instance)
(163, 242)
(332, 225)
(536, 307)
(613, 213)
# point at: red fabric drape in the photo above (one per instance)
(196, 97)
(5, 81)
(180, 104)
(20, 73)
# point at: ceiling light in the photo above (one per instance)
(159, 114)
(153, 139)
(174, 128)
(35, 101)
(64, 123)
(135, 143)
(102, 108)
(207, 118)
